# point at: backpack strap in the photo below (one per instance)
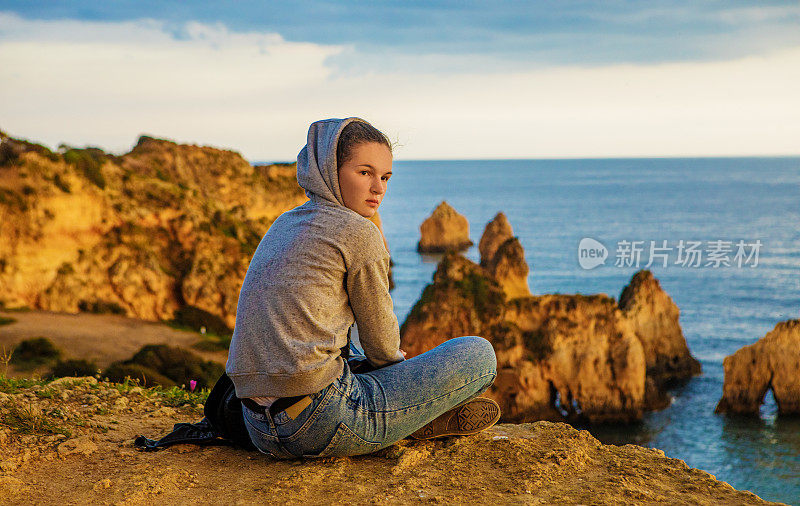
(223, 423)
(200, 433)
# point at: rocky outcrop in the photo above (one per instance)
(560, 357)
(503, 257)
(87, 424)
(509, 268)
(496, 233)
(162, 228)
(771, 363)
(654, 319)
(444, 230)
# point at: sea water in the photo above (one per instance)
(721, 205)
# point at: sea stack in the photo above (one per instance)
(772, 362)
(444, 230)
(654, 318)
(504, 258)
(496, 233)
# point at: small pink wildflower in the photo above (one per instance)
(192, 385)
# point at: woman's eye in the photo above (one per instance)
(364, 172)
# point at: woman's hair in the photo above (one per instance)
(355, 133)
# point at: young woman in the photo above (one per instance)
(322, 266)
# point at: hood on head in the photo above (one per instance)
(317, 172)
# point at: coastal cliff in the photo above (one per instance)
(73, 437)
(560, 357)
(771, 363)
(163, 232)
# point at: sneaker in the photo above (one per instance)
(469, 417)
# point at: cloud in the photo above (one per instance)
(104, 83)
(499, 35)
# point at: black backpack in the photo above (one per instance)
(222, 424)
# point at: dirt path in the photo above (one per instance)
(99, 338)
(538, 463)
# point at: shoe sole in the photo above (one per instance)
(471, 417)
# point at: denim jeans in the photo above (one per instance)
(364, 412)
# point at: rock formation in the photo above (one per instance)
(771, 363)
(503, 257)
(560, 357)
(509, 268)
(444, 230)
(654, 319)
(162, 228)
(496, 233)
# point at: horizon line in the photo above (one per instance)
(556, 158)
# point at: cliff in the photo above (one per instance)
(71, 441)
(560, 357)
(164, 231)
(771, 363)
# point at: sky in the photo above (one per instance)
(444, 80)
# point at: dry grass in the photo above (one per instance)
(28, 419)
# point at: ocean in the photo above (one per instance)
(713, 207)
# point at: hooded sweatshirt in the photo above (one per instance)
(319, 268)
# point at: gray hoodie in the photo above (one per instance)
(319, 268)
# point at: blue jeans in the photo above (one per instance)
(362, 413)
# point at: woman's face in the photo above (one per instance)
(363, 178)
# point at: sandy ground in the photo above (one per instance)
(101, 338)
(536, 463)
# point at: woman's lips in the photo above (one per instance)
(373, 202)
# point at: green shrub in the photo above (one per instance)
(538, 344)
(65, 269)
(100, 306)
(11, 149)
(7, 153)
(144, 375)
(61, 184)
(34, 352)
(13, 200)
(89, 162)
(211, 342)
(26, 419)
(487, 299)
(166, 366)
(14, 385)
(73, 368)
(195, 318)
